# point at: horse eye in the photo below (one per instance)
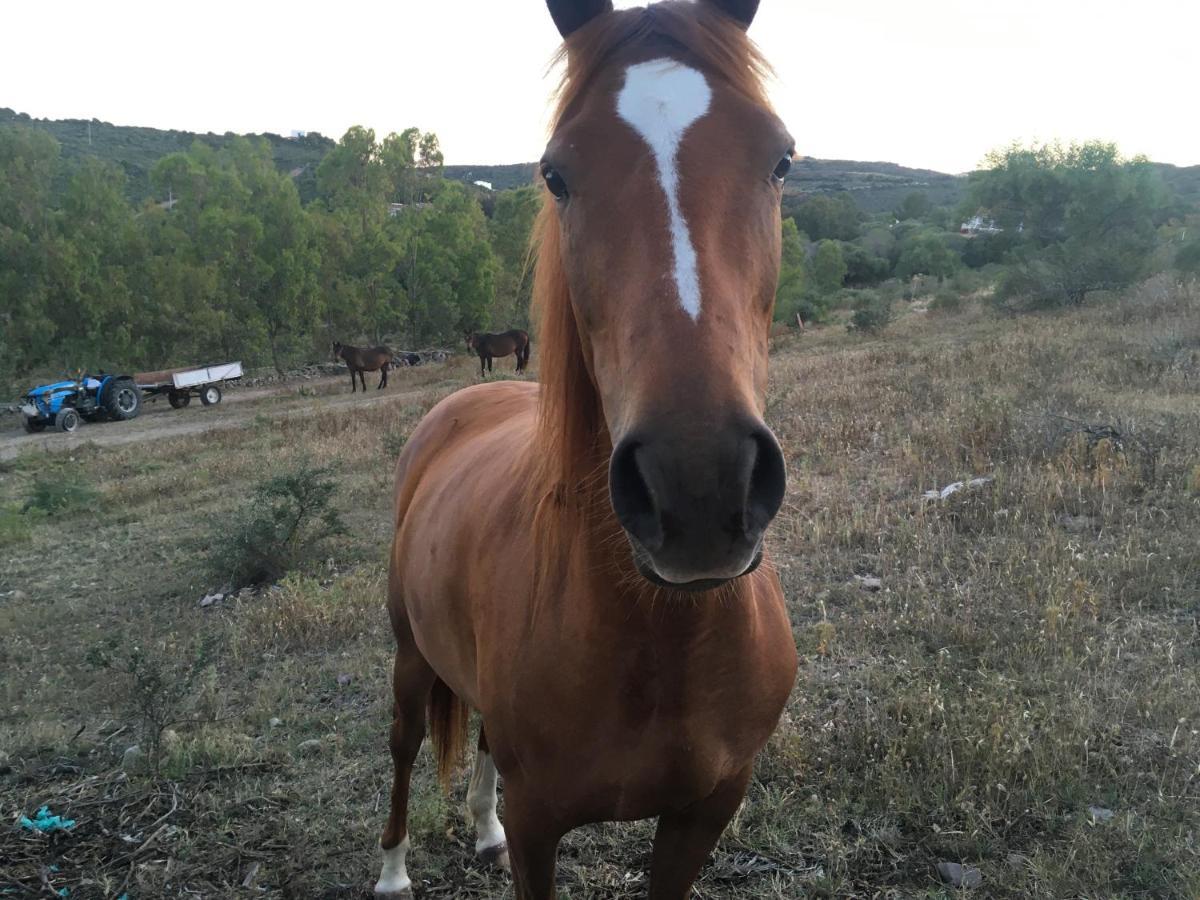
(785, 166)
(554, 182)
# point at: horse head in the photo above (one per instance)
(663, 179)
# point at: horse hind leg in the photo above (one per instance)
(383, 377)
(490, 845)
(412, 681)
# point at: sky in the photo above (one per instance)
(926, 83)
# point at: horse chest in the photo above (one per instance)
(647, 728)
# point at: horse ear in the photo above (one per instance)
(741, 11)
(571, 15)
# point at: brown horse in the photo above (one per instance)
(361, 359)
(489, 346)
(626, 651)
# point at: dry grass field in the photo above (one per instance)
(1006, 678)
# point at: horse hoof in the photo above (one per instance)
(496, 855)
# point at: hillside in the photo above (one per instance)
(875, 186)
(136, 149)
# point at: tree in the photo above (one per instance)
(509, 231)
(864, 268)
(926, 254)
(1187, 259)
(352, 177)
(239, 217)
(1087, 218)
(828, 268)
(446, 266)
(824, 217)
(792, 294)
(914, 206)
(29, 161)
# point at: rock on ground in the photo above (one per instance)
(959, 876)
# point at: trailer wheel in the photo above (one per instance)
(179, 399)
(210, 395)
(67, 420)
(123, 400)
(34, 426)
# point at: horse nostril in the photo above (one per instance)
(632, 498)
(768, 481)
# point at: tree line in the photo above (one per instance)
(227, 262)
(1040, 226)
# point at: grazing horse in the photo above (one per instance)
(579, 560)
(361, 359)
(489, 346)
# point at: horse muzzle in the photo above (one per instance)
(695, 508)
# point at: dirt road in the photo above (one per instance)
(238, 408)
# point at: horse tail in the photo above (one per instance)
(448, 720)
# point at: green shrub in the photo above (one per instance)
(281, 528)
(15, 526)
(156, 684)
(872, 314)
(60, 492)
(947, 300)
(394, 441)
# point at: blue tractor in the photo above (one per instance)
(91, 397)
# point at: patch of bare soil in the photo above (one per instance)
(158, 421)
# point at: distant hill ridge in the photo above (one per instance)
(136, 149)
(875, 186)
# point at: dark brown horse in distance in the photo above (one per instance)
(361, 359)
(489, 346)
(581, 560)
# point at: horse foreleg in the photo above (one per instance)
(353, 383)
(685, 839)
(533, 837)
(412, 680)
(362, 377)
(383, 378)
(482, 363)
(481, 803)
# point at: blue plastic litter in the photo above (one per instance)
(64, 892)
(45, 823)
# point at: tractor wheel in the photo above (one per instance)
(179, 399)
(210, 395)
(67, 420)
(34, 426)
(123, 400)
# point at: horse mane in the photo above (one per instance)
(571, 444)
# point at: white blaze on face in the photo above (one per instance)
(660, 100)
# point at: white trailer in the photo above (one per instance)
(180, 385)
